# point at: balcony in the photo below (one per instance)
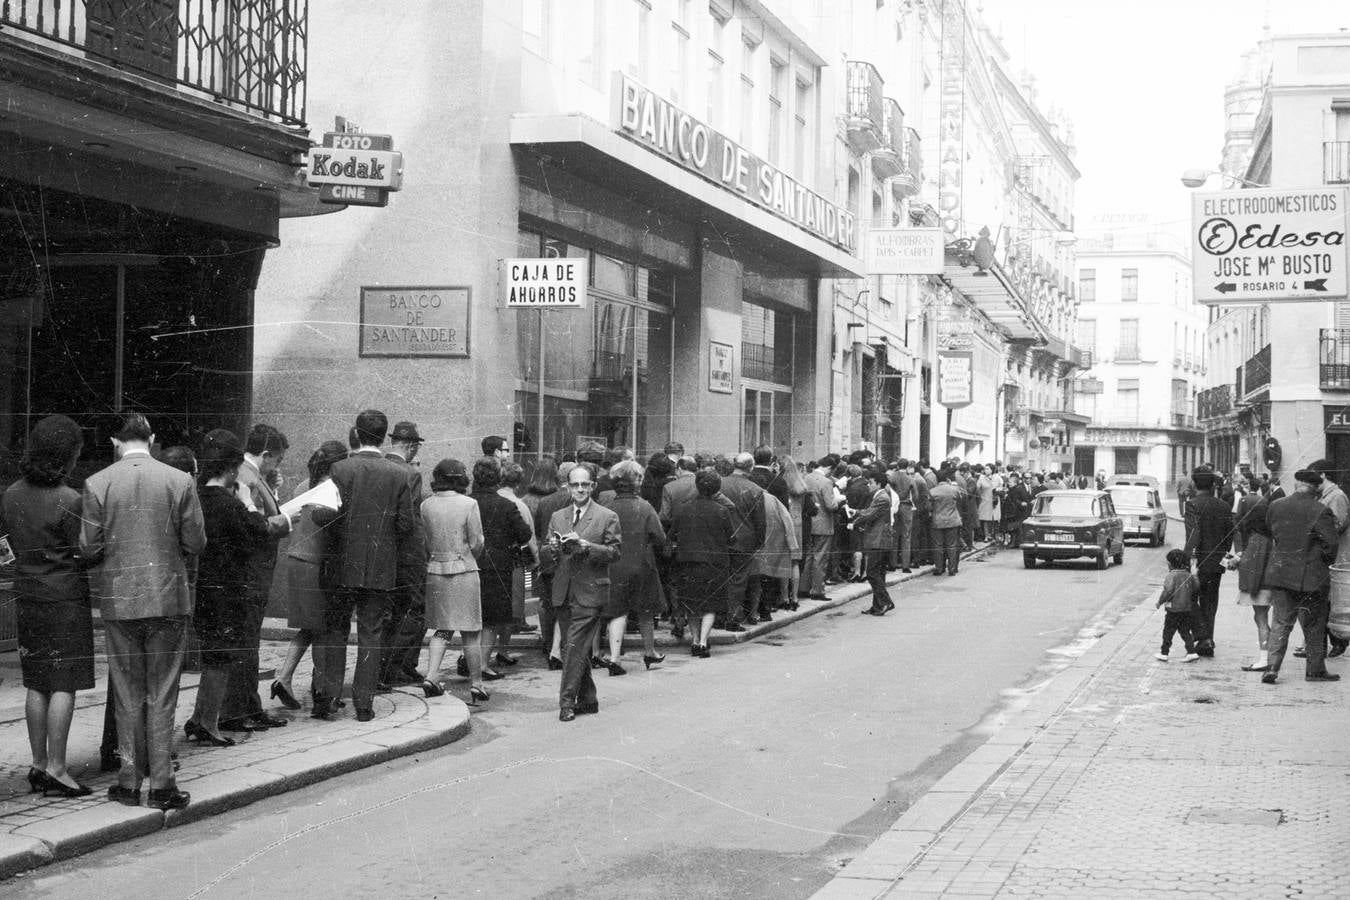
(888, 160)
(249, 54)
(865, 119)
(1256, 372)
(1183, 420)
(1336, 162)
(1213, 402)
(1334, 359)
(909, 181)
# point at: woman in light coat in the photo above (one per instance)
(988, 512)
(454, 540)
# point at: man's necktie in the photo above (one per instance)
(576, 515)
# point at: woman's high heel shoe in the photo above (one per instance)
(200, 735)
(432, 689)
(283, 693)
(615, 668)
(491, 675)
(56, 788)
(554, 663)
(650, 661)
(503, 660)
(477, 695)
(37, 780)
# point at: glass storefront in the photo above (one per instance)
(606, 368)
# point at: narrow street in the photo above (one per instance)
(756, 773)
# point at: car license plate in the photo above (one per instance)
(1146, 520)
(1058, 537)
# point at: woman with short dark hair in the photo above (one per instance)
(453, 531)
(701, 533)
(219, 615)
(41, 515)
(505, 533)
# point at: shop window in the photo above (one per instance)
(1127, 461)
(606, 368)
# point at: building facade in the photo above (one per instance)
(1146, 337)
(151, 153)
(1279, 380)
(717, 170)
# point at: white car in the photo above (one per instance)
(1140, 508)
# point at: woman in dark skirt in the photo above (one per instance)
(309, 560)
(232, 533)
(701, 532)
(41, 515)
(635, 588)
(505, 531)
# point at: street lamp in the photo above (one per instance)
(1195, 178)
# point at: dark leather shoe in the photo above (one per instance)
(1268, 678)
(239, 725)
(615, 668)
(167, 798)
(554, 663)
(283, 694)
(365, 715)
(1336, 650)
(817, 597)
(566, 715)
(1301, 652)
(124, 796)
(1325, 676)
(266, 720)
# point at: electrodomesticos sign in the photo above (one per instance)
(1269, 245)
(664, 128)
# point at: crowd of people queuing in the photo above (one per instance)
(1282, 548)
(179, 547)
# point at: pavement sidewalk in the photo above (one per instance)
(1132, 778)
(35, 831)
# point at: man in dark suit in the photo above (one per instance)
(407, 615)
(816, 564)
(902, 484)
(748, 520)
(874, 522)
(583, 539)
(374, 521)
(138, 574)
(1305, 539)
(263, 453)
(1209, 537)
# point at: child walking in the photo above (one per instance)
(1178, 593)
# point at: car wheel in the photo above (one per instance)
(1101, 558)
(1029, 560)
(1154, 539)
(1162, 535)
(1119, 558)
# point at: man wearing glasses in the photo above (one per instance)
(583, 539)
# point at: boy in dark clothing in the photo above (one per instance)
(1178, 593)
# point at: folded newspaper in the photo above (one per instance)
(325, 494)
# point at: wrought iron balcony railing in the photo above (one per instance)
(889, 159)
(1336, 162)
(250, 54)
(1256, 371)
(1334, 358)
(864, 106)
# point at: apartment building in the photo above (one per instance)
(1146, 337)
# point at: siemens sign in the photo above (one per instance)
(664, 128)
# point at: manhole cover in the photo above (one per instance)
(1267, 818)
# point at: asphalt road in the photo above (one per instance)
(753, 774)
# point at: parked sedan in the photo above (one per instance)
(1142, 511)
(1073, 524)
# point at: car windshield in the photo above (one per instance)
(1064, 505)
(1132, 496)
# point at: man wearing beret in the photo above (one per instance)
(1304, 533)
